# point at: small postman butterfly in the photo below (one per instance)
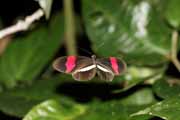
(85, 68)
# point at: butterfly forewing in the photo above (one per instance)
(59, 64)
(81, 68)
(67, 64)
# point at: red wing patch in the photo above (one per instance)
(70, 63)
(114, 65)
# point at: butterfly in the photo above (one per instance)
(84, 68)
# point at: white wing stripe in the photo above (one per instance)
(86, 68)
(103, 69)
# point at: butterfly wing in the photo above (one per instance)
(66, 64)
(81, 68)
(107, 68)
(85, 70)
(104, 73)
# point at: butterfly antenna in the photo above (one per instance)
(86, 51)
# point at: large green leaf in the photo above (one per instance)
(16, 105)
(25, 58)
(133, 29)
(167, 87)
(55, 110)
(172, 12)
(167, 109)
(58, 110)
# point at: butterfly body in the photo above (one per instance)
(85, 68)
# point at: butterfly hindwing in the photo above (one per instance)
(85, 70)
(108, 67)
(104, 72)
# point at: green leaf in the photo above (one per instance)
(25, 58)
(172, 12)
(138, 100)
(96, 110)
(141, 97)
(18, 101)
(136, 75)
(167, 109)
(58, 110)
(111, 110)
(55, 110)
(132, 29)
(167, 87)
(46, 6)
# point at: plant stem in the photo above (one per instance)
(174, 49)
(70, 28)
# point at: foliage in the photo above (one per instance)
(139, 31)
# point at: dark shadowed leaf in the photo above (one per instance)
(18, 101)
(25, 58)
(15, 105)
(167, 87)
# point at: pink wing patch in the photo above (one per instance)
(114, 65)
(70, 63)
